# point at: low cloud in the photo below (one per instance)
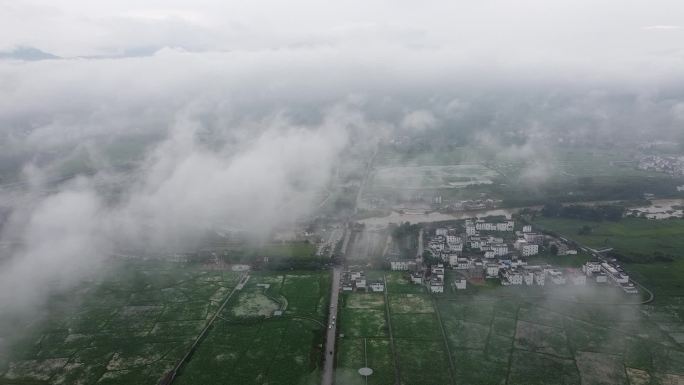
(418, 121)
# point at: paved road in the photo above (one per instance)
(329, 361)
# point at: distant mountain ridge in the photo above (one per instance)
(27, 54)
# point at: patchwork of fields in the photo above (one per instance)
(134, 326)
(249, 345)
(508, 336)
(432, 177)
(564, 174)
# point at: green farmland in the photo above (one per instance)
(282, 250)
(636, 238)
(653, 250)
(134, 325)
(248, 345)
(569, 175)
(508, 335)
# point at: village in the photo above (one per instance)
(671, 165)
(475, 251)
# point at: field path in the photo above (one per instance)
(397, 373)
(452, 370)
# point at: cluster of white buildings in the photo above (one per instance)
(672, 165)
(540, 276)
(354, 280)
(482, 225)
(477, 252)
(399, 264)
(473, 248)
(604, 272)
(481, 255)
(434, 278)
(436, 281)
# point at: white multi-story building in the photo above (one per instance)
(463, 264)
(460, 284)
(399, 265)
(499, 249)
(527, 229)
(481, 225)
(489, 254)
(470, 230)
(436, 285)
(591, 267)
(438, 269)
(617, 276)
(457, 247)
(442, 232)
(539, 277)
(529, 250)
(505, 226)
(492, 270)
(453, 239)
(511, 277)
(377, 286)
(534, 238)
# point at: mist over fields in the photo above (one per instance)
(145, 126)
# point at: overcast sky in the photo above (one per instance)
(582, 32)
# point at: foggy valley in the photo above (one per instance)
(345, 193)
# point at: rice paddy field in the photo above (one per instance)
(134, 325)
(502, 335)
(250, 345)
